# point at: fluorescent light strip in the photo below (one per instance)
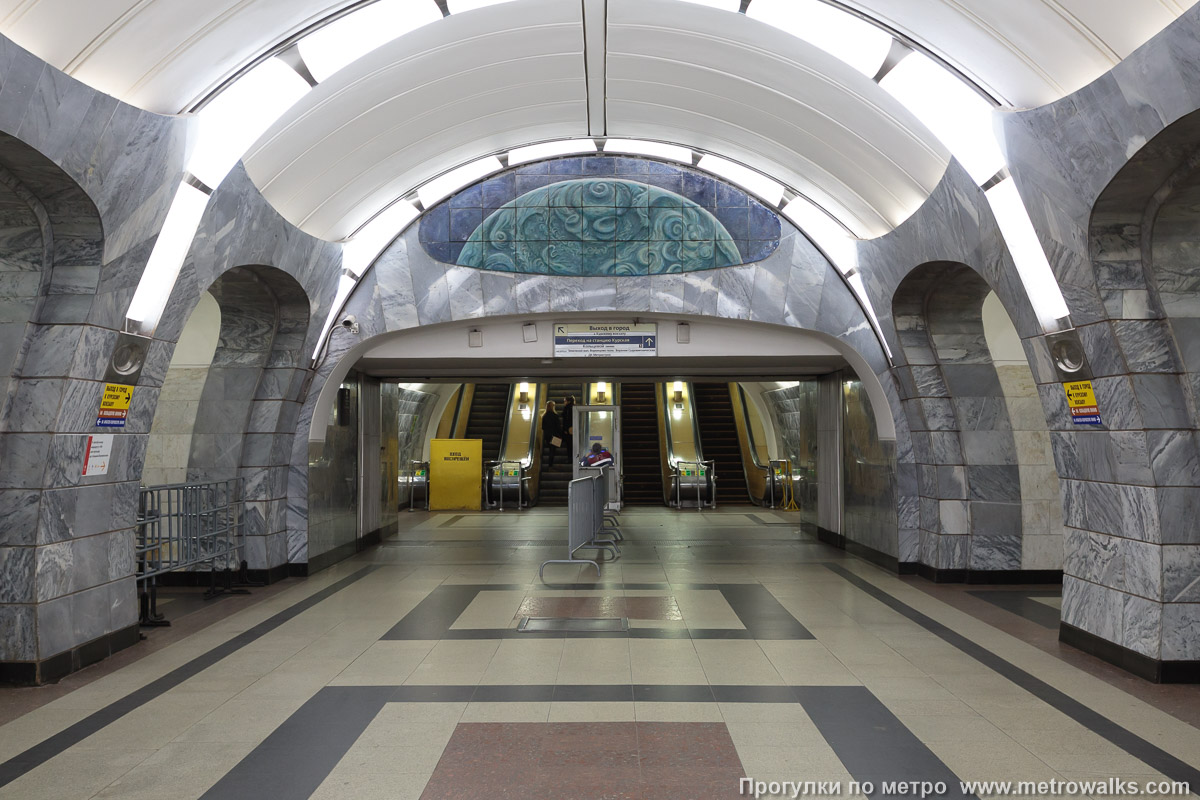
(725, 5)
(373, 238)
(537, 152)
(166, 259)
(459, 6)
(330, 48)
(226, 127)
(447, 184)
(953, 111)
(846, 37)
(750, 180)
(642, 147)
(1041, 286)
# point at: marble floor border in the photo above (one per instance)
(1174, 768)
(870, 741)
(42, 752)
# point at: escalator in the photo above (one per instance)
(553, 481)
(719, 441)
(485, 421)
(641, 461)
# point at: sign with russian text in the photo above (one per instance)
(114, 406)
(591, 340)
(99, 451)
(1081, 400)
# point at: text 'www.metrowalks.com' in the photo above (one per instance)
(1108, 787)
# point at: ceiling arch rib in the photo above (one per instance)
(446, 93)
(510, 75)
(1028, 52)
(777, 103)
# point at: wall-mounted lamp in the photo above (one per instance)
(475, 338)
(683, 333)
(523, 397)
(601, 388)
(529, 332)
(678, 389)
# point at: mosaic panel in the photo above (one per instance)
(600, 215)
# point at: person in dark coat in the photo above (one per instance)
(551, 431)
(568, 420)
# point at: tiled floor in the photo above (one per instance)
(751, 650)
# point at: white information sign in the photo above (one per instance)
(606, 339)
(99, 450)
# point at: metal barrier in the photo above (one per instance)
(506, 477)
(418, 475)
(700, 475)
(587, 521)
(187, 525)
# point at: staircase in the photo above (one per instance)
(719, 441)
(552, 484)
(486, 417)
(640, 457)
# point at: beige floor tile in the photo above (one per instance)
(677, 712)
(491, 610)
(454, 663)
(665, 661)
(595, 661)
(76, 774)
(524, 662)
(736, 662)
(506, 712)
(764, 712)
(344, 783)
(775, 734)
(618, 711)
(179, 769)
(384, 664)
(807, 663)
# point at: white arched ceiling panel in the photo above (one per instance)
(161, 55)
(446, 93)
(1028, 52)
(750, 92)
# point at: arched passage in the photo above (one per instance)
(980, 443)
(235, 415)
(1141, 559)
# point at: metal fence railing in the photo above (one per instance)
(189, 527)
(589, 525)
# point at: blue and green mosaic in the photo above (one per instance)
(600, 215)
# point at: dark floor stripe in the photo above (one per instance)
(295, 759)
(42, 752)
(451, 521)
(763, 615)
(1021, 603)
(433, 616)
(869, 739)
(1128, 741)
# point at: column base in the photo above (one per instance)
(1152, 669)
(35, 673)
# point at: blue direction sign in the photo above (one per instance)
(608, 339)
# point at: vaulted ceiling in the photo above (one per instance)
(488, 79)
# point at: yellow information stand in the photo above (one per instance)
(455, 474)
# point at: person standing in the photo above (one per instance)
(551, 432)
(568, 426)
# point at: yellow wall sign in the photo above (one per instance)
(114, 406)
(455, 474)
(1081, 400)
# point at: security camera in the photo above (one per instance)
(350, 323)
